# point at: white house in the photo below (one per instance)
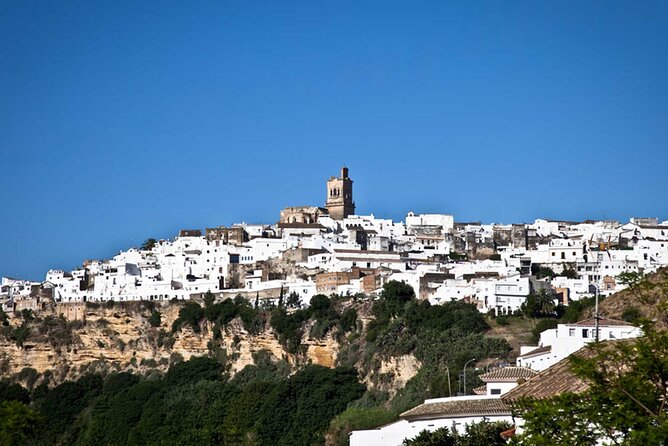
(454, 413)
(557, 343)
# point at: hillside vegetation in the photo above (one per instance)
(232, 373)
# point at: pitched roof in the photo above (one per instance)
(482, 390)
(552, 381)
(508, 374)
(602, 322)
(453, 408)
(538, 351)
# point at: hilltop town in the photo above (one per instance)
(330, 250)
(425, 317)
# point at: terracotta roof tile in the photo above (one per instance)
(482, 390)
(508, 374)
(552, 381)
(458, 408)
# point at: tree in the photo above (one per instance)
(293, 301)
(397, 295)
(27, 315)
(476, 434)
(191, 314)
(439, 437)
(17, 423)
(483, 434)
(541, 326)
(632, 279)
(20, 334)
(569, 272)
(320, 305)
(540, 304)
(625, 403)
(209, 299)
(631, 314)
(155, 319)
(149, 244)
(545, 300)
(299, 410)
(541, 271)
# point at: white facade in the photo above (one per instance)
(395, 433)
(598, 250)
(557, 343)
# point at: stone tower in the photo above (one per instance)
(340, 202)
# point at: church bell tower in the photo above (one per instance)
(340, 202)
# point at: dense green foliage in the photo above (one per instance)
(194, 403)
(155, 319)
(479, 434)
(290, 325)
(625, 403)
(442, 337)
(357, 418)
(17, 423)
(542, 271)
(4, 320)
(540, 304)
(541, 326)
(220, 314)
(190, 314)
(148, 244)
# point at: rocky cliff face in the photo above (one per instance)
(122, 339)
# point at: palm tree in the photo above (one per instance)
(149, 244)
(545, 301)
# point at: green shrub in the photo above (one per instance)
(503, 320)
(541, 326)
(357, 418)
(155, 318)
(28, 375)
(631, 314)
(190, 314)
(20, 335)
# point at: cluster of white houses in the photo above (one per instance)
(541, 371)
(331, 250)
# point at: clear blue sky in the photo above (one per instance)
(123, 120)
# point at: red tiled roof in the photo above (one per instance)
(552, 381)
(482, 390)
(458, 408)
(508, 374)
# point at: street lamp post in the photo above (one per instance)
(467, 363)
(596, 317)
(449, 386)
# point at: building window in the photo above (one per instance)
(495, 392)
(585, 333)
(571, 332)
